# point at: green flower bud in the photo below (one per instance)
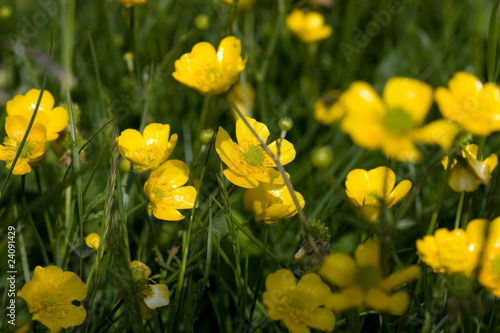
(206, 136)
(5, 12)
(125, 166)
(202, 22)
(285, 124)
(321, 157)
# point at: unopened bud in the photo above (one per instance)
(206, 136)
(285, 124)
(321, 157)
(202, 22)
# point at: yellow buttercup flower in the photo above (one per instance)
(489, 275)
(468, 172)
(362, 283)
(374, 189)
(394, 123)
(211, 72)
(476, 107)
(150, 294)
(236, 94)
(53, 119)
(242, 4)
(328, 109)
(271, 203)
(309, 27)
(33, 149)
(455, 251)
(130, 3)
(50, 296)
(298, 306)
(248, 163)
(93, 241)
(166, 192)
(149, 150)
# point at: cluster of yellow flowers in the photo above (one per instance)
(394, 123)
(165, 187)
(251, 167)
(466, 252)
(360, 281)
(52, 293)
(49, 121)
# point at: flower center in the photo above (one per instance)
(213, 75)
(158, 194)
(375, 198)
(367, 277)
(254, 156)
(28, 150)
(295, 304)
(397, 120)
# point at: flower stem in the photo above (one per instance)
(439, 201)
(459, 210)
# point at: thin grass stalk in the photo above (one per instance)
(208, 260)
(259, 279)
(439, 202)
(491, 61)
(219, 280)
(78, 180)
(38, 238)
(458, 216)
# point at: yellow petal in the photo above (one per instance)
(294, 325)
(287, 151)
(156, 134)
(406, 275)
(413, 96)
(382, 180)
(362, 99)
(167, 214)
(401, 148)
(281, 280)
(357, 186)
(229, 57)
(245, 137)
(321, 319)
(475, 232)
(368, 254)
(491, 161)
(47, 102)
(58, 120)
(179, 198)
(241, 180)
(399, 192)
(73, 316)
(339, 269)
(73, 287)
(463, 85)
(227, 149)
(128, 142)
(311, 285)
(348, 298)
(172, 174)
(441, 132)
